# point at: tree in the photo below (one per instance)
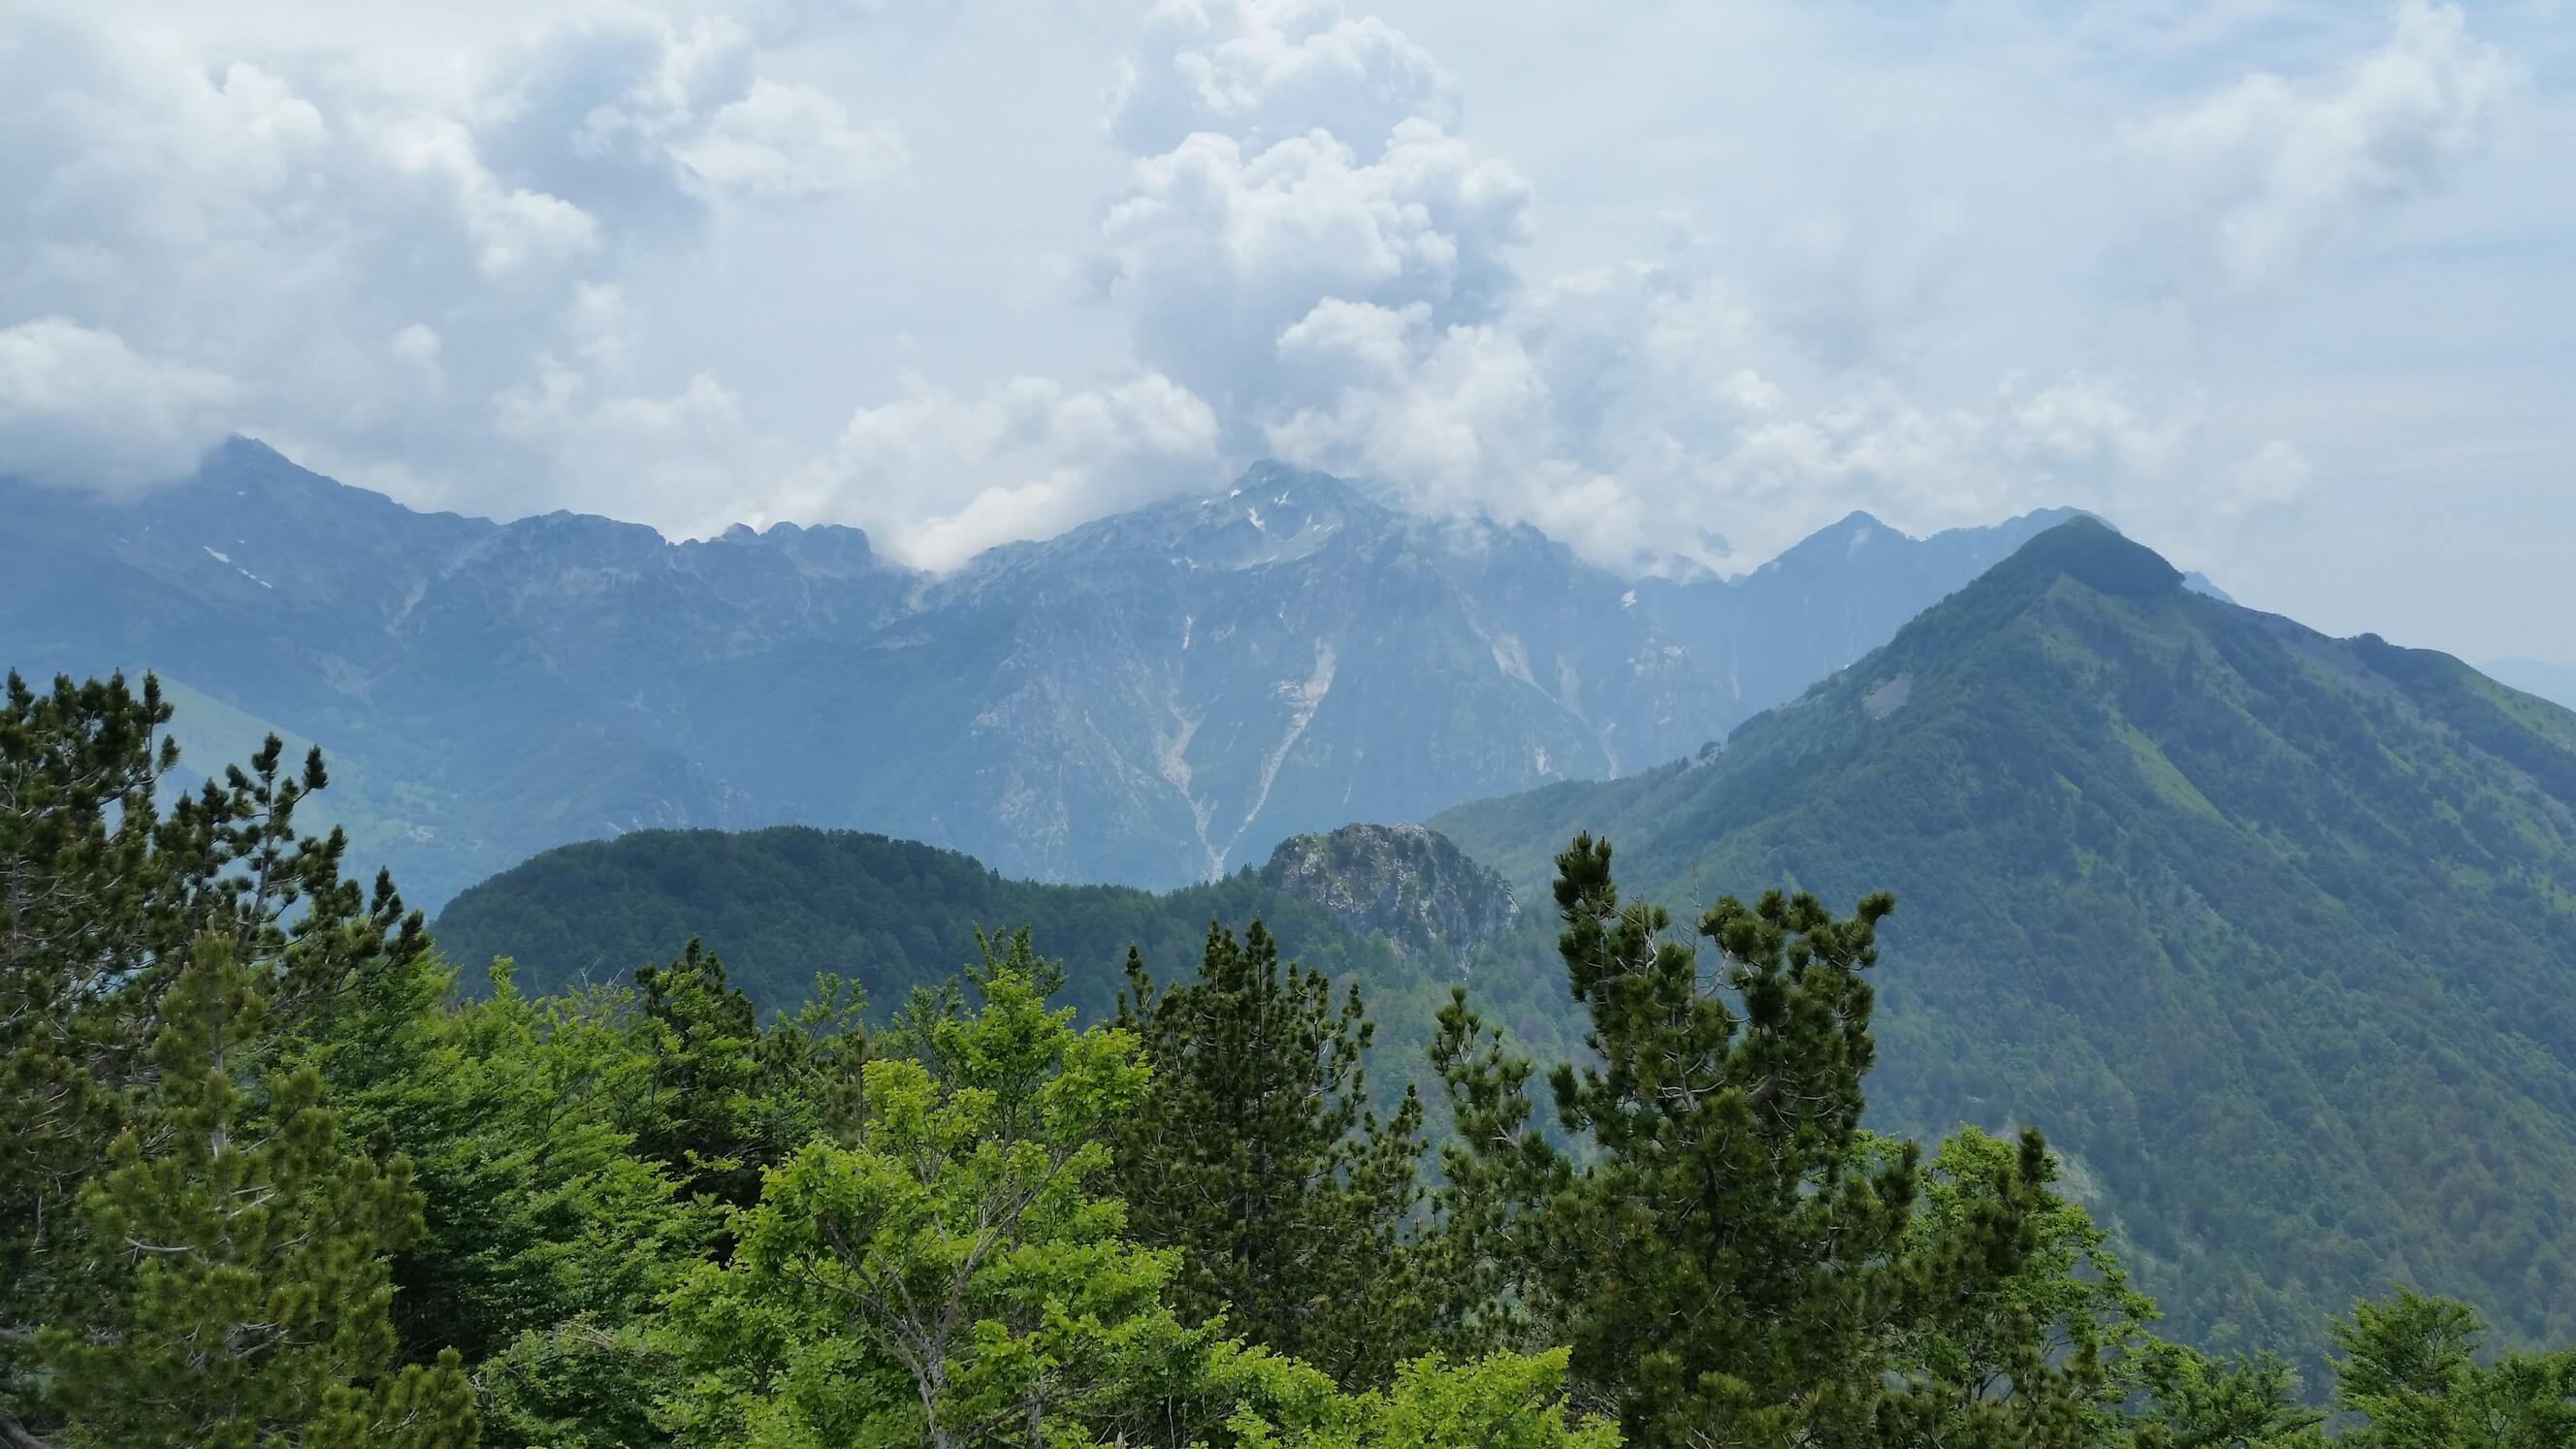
(725, 1098)
(1253, 1153)
(2248, 1402)
(240, 1253)
(951, 1278)
(2068, 1304)
(1502, 1401)
(1725, 1260)
(2409, 1366)
(102, 895)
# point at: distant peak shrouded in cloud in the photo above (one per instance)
(1677, 284)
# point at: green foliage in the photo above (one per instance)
(2408, 1366)
(1253, 1154)
(2068, 1303)
(2249, 1402)
(952, 1277)
(105, 897)
(279, 1185)
(1501, 1401)
(1728, 1262)
(245, 1288)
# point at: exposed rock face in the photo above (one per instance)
(1428, 897)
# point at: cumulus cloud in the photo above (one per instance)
(1354, 296)
(399, 278)
(939, 477)
(1219, 249)
(1264, 71)
(2264, 170)
(79, 407)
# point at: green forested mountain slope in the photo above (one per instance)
(782, 904)
(2274, 934)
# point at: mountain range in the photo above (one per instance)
(2274, 934)
(1154, 698)
(2271, 932)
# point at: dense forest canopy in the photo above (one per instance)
(782, 904)
(278, 1180)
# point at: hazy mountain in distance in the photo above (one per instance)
(1152, 698)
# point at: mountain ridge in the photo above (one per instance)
(2272, 933)
(1153, 697)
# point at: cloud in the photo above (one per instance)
(2273, 474)
(79, 407)
(1217, 251)
(419, 282)
(787, 143)
(1265, 71)
(638, 119)
(2265, 170)
(1687, 282)
(938, 477)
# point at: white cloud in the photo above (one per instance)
(416, 282)
(2266, 169)
(1264, 71)
(1218, 251)
(79, 407)
(937, 477)
(786, 143)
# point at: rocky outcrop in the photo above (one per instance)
(1425, 895)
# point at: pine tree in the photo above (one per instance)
(102, 893)
(1254, 1154)
(240, 1249)
(702, 1039)
(1728, 1261)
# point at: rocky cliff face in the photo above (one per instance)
(1409, 883)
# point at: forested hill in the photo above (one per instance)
(2274, 934)
(781, 904)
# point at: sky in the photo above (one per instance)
(2286, 289)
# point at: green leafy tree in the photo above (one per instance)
(242, 1243)
(1254, 1154)
(2246, 1402)
(1725, 1260)
(2409, 1367)
(1501, 1401)
(950, 1278)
